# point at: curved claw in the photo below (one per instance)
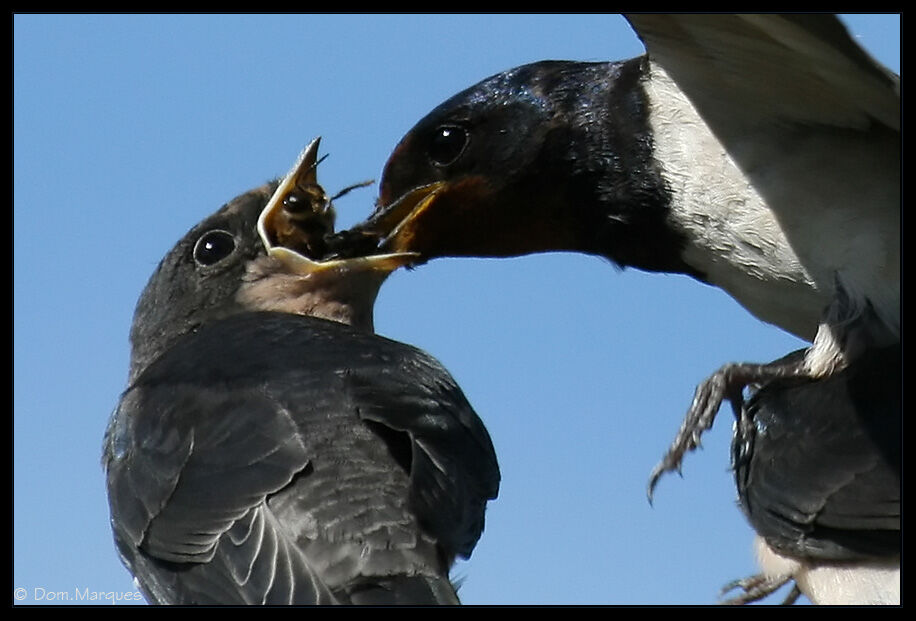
(728, 383)
(698, 419)
(654, 476)
(757, 587)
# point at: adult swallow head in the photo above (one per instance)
(552, 156)
(264, 454)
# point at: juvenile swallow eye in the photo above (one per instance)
(213, 246)
(448, 144)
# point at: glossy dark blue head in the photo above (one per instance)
(543, 157)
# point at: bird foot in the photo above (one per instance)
(728, 383)
(757, 587)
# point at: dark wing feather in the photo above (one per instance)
(240, 470)
(453, 463)
(818, 468)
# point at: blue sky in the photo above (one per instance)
(130, 129)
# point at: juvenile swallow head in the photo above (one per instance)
(260, 251)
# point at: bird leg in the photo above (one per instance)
(728, 383)
(757, 587)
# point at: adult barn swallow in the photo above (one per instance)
(270, 449)
(756, 153)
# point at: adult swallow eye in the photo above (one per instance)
(447, 145)
(213, 246)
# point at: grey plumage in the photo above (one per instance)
(260, 457)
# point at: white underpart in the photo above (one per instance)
(779, 237)
(835, 584)
(733, 237)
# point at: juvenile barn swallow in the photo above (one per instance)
(756, 153)
(270, 449)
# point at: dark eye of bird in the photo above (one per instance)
(213, 246)
(295, 203)
(447, 144)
